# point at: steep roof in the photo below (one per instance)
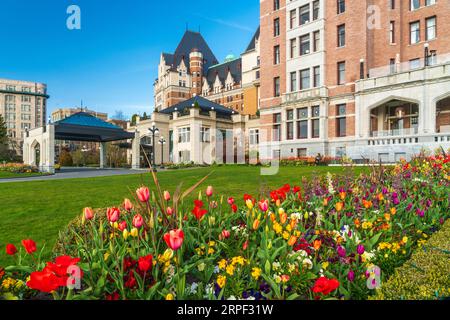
(168, 58)
(204, 104)
(234, 66)
(252, 45)
(87, 120)
(193, 40)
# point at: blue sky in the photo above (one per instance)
(111, 62)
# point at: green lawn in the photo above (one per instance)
(39, 209)
(10, 175)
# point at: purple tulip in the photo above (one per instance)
(342, 252)
(441, 220)
(429, 203)
(385, 190)
(420, 213)
(396, 201)
(351, 276)
(360, 249)
(409, 207)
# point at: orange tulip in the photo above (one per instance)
(325, 202)
(317, 244)
(292, 241)
(283, 217)
(393, 211)
(127, 205)
(342, 195)
(339, 206)
(256, 224)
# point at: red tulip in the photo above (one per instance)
(61, 267)
(127, 205)
(138, 221)
(169, 211)
(44, 281)
(113, 214)
(11, 249)
(166, 195)
(174, 239)
(226, 234)
(145, 263)
(122, 225)
(325, 286)
(230, 201)
(245, 246)
(234, 207)
(88, 213)
(143, 194)
(209, 191)
(29, 245)
(199, 213)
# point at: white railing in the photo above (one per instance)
(395, 132)
(307, 94)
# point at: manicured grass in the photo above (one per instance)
(11, 175)
(39, 209)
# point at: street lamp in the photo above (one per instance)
(154, 131)
(427, 54)
(162, 142)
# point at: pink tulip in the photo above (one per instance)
(88, 213)
(174, 239)
(113, 214)
(138, 221)
(231, 201)
(127, 205)
(166, 195)
(143, 194)
(209, 191)
(263, 205)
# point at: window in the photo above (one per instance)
(290, 124)
(392, 32)
(302, 113)
(26, 117)
(254, 137)
(414, 28)
(315, 111)
(293, 19)
(414, 4)
(392, 66)
(431, 28)
(276, 86)
(305, 82)
(304, 45)
(341, 72)
(276, 55)
(341, 152)
(293, 81)
(341, 120)
(316, 76)
(184, 135)
(392, 4)
(316, 9)
(276, 5)
(414, 63)
(341, 35)
(276, 27)
(302, 129)
(316, 41)
(26, 108)
(205, 134)
(316, 128)
(293, 48)
(430, 2)
(340, 6)
(302, 152)
(304, 14)
(26, 99)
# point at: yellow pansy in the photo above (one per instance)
(256, 273)
(221, 280)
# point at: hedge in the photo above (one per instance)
(426, 276)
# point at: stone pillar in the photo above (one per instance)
(48, 150)
(136, 151)
(102, 155)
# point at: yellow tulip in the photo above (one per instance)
(125, 234)
(134, 232)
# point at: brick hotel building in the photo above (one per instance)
(369, 79)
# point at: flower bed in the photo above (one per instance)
(18, 168)
(329, 238)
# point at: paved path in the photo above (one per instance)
(73, 173)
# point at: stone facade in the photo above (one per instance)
(23, 105)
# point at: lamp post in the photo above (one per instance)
(427, 54)
(162, 142)
(154, 131)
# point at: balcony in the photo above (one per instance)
(395, 133)
(309, 94)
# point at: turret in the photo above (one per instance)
(196, 68)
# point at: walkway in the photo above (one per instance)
(74, 173)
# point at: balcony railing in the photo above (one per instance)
(394, 132)
(308, 94)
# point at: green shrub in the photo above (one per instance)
(426, 276)
(65, 159)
